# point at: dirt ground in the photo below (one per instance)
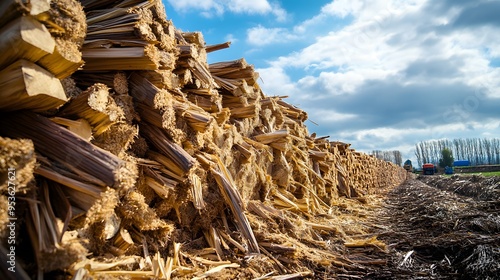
(437, 227)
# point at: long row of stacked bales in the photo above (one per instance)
(125, 154)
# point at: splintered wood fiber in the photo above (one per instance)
(198, 219)
(142, 26)
(281, 169)
(142, 187)
(246, 179)
(201, 139)
(120, 83)
(18, 156)
(118, 138)
(135, 210)
(67, 20)
(70, 87)
(127, 172)
(147, 96)
(101, 222)
(69, 51)
(63, 256)
(65, 60)
(96, 106)
(165, 34)
(167, 204)
(169, 120)
(126, 103)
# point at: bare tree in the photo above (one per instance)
(398, 158)
(377, 154)
(389, 156)
(478, 151)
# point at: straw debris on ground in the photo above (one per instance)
(438, 227)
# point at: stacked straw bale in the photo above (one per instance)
(152, 163)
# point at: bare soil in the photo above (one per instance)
(439, 227)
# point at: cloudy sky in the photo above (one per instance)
(380, 74)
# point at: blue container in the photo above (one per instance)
(448, 170)
(461, 163)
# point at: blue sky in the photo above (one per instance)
(380, 74)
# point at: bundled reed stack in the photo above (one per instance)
(131, 35)
(40, 43)
(147, 147)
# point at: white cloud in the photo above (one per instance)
(280, 13)
(330, 115)
(379, 45)
(254, 6)
(400, 50)
(338, 83)
(305, 25)
(276, 82)
(261, 36)
(357, 46)
(218, 7)
(257, 7)
(202, 5)
(231, 38)
(342, 8)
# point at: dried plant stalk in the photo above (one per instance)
(10, 9)
(26, 85)
(267, 138)
(233, 199)
(130, 58)
(180, 158)
(96, 106)
(65, 59)
(24, 38)
(217, 47)
(63, 146)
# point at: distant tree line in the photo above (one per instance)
(478, 151)
(390, 156)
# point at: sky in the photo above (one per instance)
(379, 74)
